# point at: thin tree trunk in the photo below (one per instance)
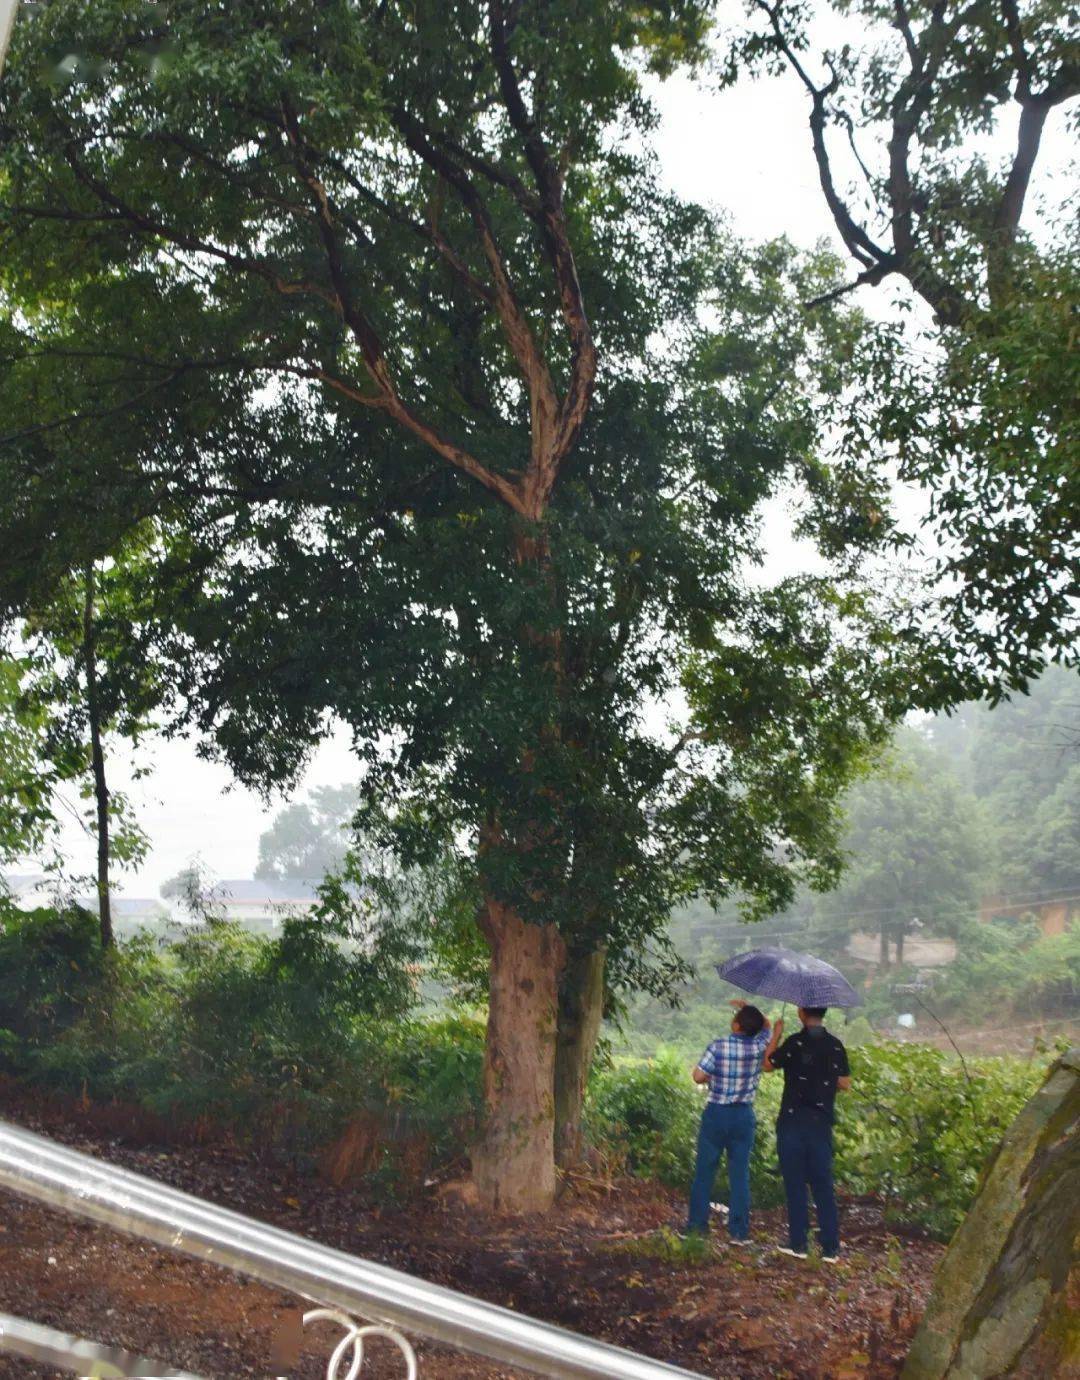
(514, 1162)
(97, 762)
(883, 949)
(581, 1010)
(899, 948)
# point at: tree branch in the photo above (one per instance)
(544, 467)
(544, 403)
(371, 346)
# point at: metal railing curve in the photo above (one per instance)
(71, 1181)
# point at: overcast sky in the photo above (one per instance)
(745, 151)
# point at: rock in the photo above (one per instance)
(1005, 1298)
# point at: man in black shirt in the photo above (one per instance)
(815, 1067)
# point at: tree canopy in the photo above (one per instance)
(927, 124)
(449, 423)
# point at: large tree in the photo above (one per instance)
(379, 315)
(927, 122)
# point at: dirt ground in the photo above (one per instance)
(591, 1265)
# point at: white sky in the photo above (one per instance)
(745, 151)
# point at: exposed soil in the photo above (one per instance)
(590, 1265)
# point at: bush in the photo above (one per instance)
(645, 1116)
(915, 1129)
(918, 1127)
(294, 1043)
(50, 967)
(284, 1042)
(1008, 967)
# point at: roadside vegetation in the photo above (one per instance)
(320, 1055)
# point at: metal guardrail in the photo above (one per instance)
(39, 1343)
(73, 1182)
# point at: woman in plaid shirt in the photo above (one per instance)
(732, 1068)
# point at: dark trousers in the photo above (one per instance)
(726, 1126)
(804, 1146)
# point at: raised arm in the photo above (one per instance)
(770, 1048)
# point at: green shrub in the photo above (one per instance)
(918, 1129)
(1009, 967)
(293, 1042)
(645, 1116)
(50, 965)
(914, 1130)
(284, 1041)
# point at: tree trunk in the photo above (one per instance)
(899, 948)
(883, 951)
(581, 1009)
(514, 1162)
(97, 762)
(1004, 1299)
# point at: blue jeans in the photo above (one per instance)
(724, 1126)
(805, 1149)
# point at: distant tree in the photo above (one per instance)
(915, 843)
(1054, 839)
(308, 839)
(1022, 764)
(73, 688)
(87, 685)
(183, 885)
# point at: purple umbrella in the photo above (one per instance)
(786, 975)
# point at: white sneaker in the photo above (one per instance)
(721, 1208)
(795, 1255)
(739, 1241)
(830, 1260)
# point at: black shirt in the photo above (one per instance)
(812, 1061)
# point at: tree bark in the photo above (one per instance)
(899, 948)
(581, 1009)
(1004, 1299)
(883, 948)
(514, 1162)
(97, 761)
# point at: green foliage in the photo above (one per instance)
(290, 1041)
(50, 967)
(915, 845)
(356, 307)
(1020, 759)
(282, 1040)
(918, 1128)
(914, 1128)
(1009, 971)
(979, 403)
(645, 1114)
(26, 782)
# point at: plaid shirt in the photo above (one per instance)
(734, 1064)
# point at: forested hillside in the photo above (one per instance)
(966, 828)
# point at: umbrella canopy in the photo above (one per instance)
(786, 975)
